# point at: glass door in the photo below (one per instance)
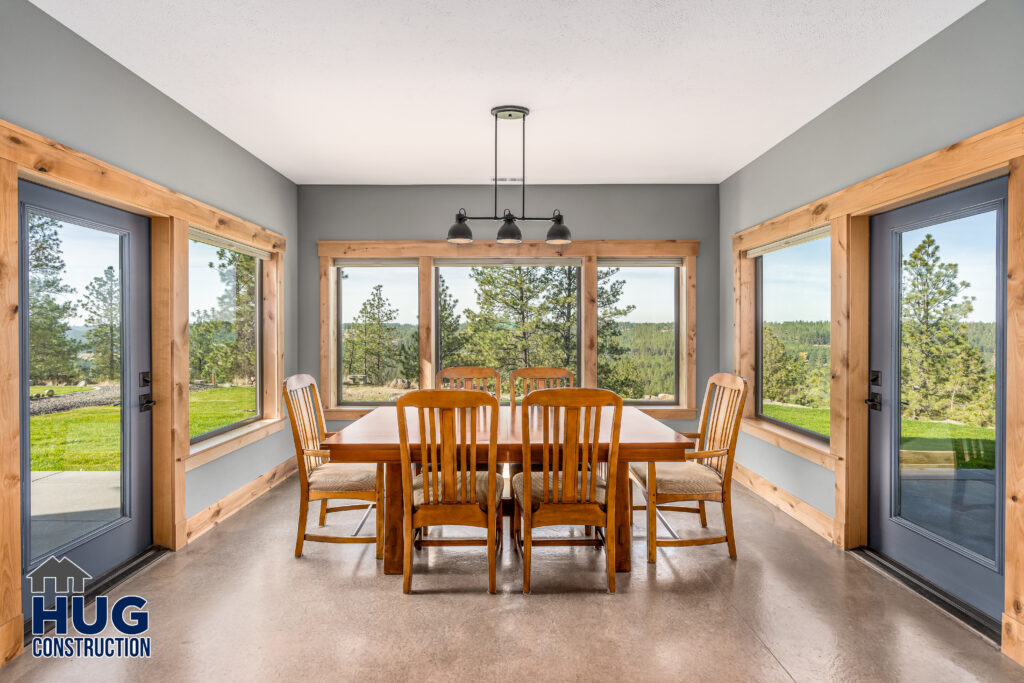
(937, 353)
(86, 458)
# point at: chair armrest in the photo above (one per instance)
(701, 455)
(316, 453)
(329, 434)
(691, 435)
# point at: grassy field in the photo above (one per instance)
(57, 391)
(89, 438)
(918, 435)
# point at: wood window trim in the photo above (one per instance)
(426, 253)
(29, 156)
(992, 153)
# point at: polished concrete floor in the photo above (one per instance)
(236, 605)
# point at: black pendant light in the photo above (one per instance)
(460, 233)
(558, 233)
(509, 232)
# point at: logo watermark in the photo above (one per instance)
(81, 637)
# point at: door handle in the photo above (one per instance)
(146, 403)
(874, 401)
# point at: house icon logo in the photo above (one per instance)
(67, 577)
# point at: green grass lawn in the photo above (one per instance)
(58, 391)
(918, 435)
(90, 438)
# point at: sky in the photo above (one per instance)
(87, 253)
(795, 283)
(204, 285)
(650, 289)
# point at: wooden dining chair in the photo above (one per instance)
(449, 489)
(705, 474)
(324, 481)
(538, 378)
(470, 377)
(567, 489)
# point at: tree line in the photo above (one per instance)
(947, 364)
(523, 316)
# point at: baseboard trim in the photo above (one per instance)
(803, 512)
(201, 522)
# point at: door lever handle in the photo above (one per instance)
(874, 401)
(146, 403)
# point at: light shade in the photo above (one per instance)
(558, 233)
(509, 232)
(460, 233)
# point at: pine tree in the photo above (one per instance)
(943, 376)
(784, 374)
(449, 325)
(239, 304)
(102, 305)
(371, 342)
(615, 371)
(561, 300)
(52, 353)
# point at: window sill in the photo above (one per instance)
(802, 445)
(219, 446)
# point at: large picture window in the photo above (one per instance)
(224, 338)
(378, 332)
(638, 330)
(509, 316)
(794, 335)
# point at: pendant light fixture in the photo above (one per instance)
(509, 231)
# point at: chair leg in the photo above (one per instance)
(323, 512)
(630, 501)
(652, 528)
(380, 512)
(703, 513)
(500, 531)
(492, 552)
(587, 530)
(609, 549)
(729, 535)
(527, 548)
(407, 557)
(303, 511)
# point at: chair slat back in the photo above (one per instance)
(570, 423)
(306, 413)
(472, 377)
(538, 378)
(720, 418)
(448, 424)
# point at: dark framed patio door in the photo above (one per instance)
(85, 347)
(938, 275)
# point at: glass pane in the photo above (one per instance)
(509, 317)
(223, 351)
(636, 332)
(948, 313)
(74, 372)
(796, 305)
(380, 334)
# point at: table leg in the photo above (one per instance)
(623, 530)
(393, 512)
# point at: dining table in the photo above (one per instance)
(373, 438)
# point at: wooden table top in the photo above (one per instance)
(374, 437)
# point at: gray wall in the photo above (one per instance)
(961, 82)
(354, 212)
(55, 83)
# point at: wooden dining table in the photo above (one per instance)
(373, 438)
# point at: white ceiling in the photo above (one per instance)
(392, 91)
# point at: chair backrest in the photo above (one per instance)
(449, 424)
(720, 416)
(567, 425)
(306, 413)
(469, 377)
(538, 378)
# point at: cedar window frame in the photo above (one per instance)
(588, 252)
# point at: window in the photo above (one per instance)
(224, 338)
(509, 316)
(378, 332)
(794, 334)
(638, 330)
